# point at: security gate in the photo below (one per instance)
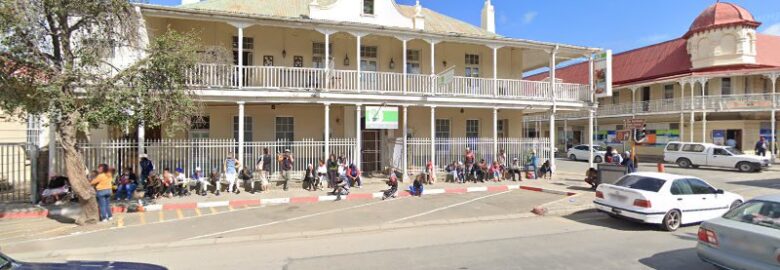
(15, 172)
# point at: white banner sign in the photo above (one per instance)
(381, 117)
(602, 69)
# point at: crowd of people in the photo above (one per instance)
(336, 174)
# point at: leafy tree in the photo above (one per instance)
(58, 59)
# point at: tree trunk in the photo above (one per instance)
(77, 172)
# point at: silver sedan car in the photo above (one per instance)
(746, 237)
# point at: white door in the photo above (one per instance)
(684, 199)
(721, 158)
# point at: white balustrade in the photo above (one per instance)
(212, 75)
(418, 84)
(382, 82)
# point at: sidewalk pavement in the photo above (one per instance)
(372, 189)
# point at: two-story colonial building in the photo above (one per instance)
(385, 84)
(716, 83)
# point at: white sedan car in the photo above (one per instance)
(666, 199)
(582, 152)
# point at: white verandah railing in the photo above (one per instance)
(453, 149)
(208, 154)
(298, 78)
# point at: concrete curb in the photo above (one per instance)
(75, 210)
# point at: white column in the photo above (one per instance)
(358, 137)
(240, 57)
(693, 119)
(591, 132)
(554, 107)
(433, 65)
(565, 134)
(704, 112)
(327, 129)
(495, 70)
(53, 144)
(358, 63)
(433, 135)
(552, 75)
(406, 149)
(773, 119)
(240, 131)
(552, 140)
(495, 132)
(406, 72)
(633, 102)
(682, 108)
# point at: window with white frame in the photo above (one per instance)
(442, 128)
(368, 56)
(669, 93)
(249, 45)
(318, 54)
(725, 86)
(199, 127)
(285, 128)
(247, 128)
(472, 128)
(413, 62)
(368, 7)
(472, 65)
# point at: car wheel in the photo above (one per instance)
(684, 163)
(745, 167)
(735, 204)
(672, 221)
(573, 157)
(597, 159)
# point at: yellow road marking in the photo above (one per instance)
(230, 207)
(197, 211)
(143, 218)
(213, 211)
(179, 214)
(120, 222)
(161, 216)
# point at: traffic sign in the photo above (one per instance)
(634, 123)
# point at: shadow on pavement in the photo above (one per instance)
(766, 183)
(603, 220)
(580, 188)
(676, 259)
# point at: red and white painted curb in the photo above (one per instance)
(279, 201)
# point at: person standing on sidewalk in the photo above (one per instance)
(102, 183)
(333, 170)
(761, 147)
(468, 160)
(231, 167)
(146, 168)
(286, 161)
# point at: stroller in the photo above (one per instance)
(57, 192)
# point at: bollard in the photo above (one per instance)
(660, 167)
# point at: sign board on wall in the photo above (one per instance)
(602, 73)
(719, 137)
(381, 117)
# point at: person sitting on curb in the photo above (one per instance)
(342, 184)
(452, 173)
(515, 170)
(215, 181)
(199, 178)
(482, 171)
(592, 178)
(354, 176)
(181, 184)
(154, 186)
(546, 170)
(168, 183)
(309, 179)
(417, 188)
(322, 174)
(392, 183)
(495, 172)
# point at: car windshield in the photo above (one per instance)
(641, 183)
(735, 151)
(598, 148)
(4, 263)
(761, 213)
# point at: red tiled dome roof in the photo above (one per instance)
(720, 15)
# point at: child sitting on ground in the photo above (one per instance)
(416, 189)
(393, 184)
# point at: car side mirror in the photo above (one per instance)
(719, 191)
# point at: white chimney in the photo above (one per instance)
(489, 17)
(419, 18)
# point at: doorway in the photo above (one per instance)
(734, 138)
(370, 156)
(645, 99)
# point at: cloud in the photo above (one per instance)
(654, 38)
(529, 17)
(773, 30)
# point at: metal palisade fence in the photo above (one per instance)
(453, 149)
(208, 154)
(16, 172)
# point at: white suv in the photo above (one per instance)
(688, 155)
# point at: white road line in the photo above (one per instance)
(288, 220)
(448, 207)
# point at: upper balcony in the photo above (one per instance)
(719, 103)
(271, 78)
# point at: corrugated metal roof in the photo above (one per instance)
(434, 21)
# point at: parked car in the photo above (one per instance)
(582, 152)
(666, 199)
(693, 155)
(747, 237)
(7, 263)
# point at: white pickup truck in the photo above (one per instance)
(688, 155)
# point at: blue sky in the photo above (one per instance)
(613, 24)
